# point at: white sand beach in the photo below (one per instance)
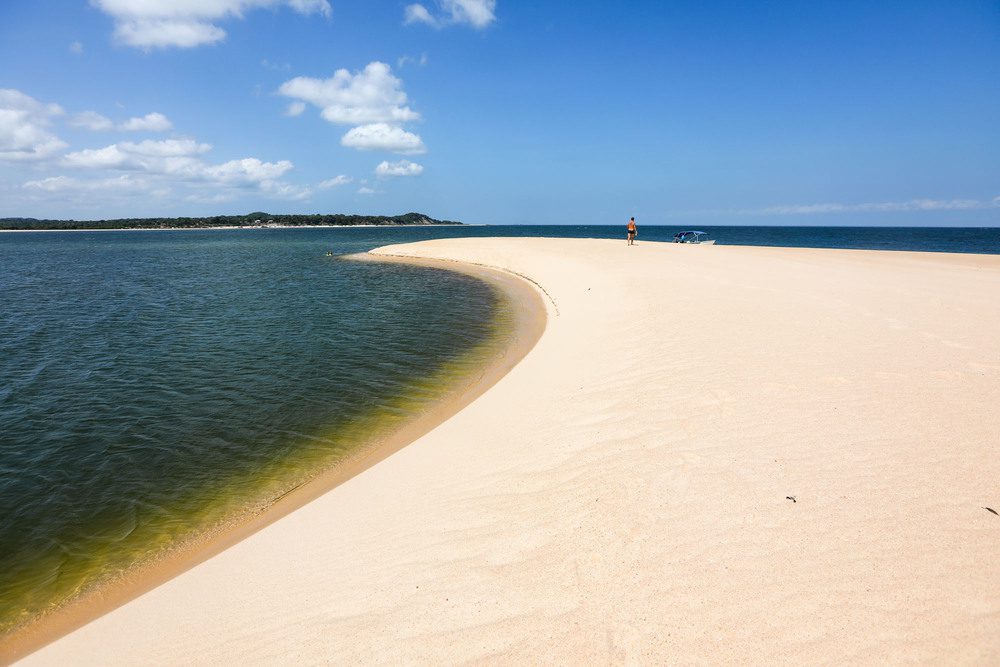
(712, 454)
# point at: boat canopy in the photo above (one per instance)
(692, 236)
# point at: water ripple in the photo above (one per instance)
(151, 385)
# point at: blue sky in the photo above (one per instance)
(870, 113)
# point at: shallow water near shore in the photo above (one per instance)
(159, 386)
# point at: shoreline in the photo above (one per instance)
(224, 227)
(528, 323)
(736, 454)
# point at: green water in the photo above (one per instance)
(156, 386)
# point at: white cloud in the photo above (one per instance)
(281, 190)
(109, 157)
(365, 190)
(24, 127)
(187, 23)
(179, 160)
(165, 148)
(150, 167)
(403, 61)
(241, 176)
(163, 33)
(76, 47)
(55, 184)
(211, 198)
(150, 156)
(401, 168)
(247, 170)
(310, 6)
(92, 120)
(384, 137)
(417, 13)
(275, 67)
(372, 99)
(151, 122)
(372, 95)
(335, 182)
(476, 13)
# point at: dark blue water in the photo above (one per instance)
(922, 239)
(154, 384)
(979, 240)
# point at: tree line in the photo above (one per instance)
(250, 220)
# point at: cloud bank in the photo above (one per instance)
(179, 160)
(149, 166)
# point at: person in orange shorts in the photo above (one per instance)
(631, 231)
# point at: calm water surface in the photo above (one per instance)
(924, 239)
(155, 384)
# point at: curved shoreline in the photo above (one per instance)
(528, 323)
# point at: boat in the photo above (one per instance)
(693, 237)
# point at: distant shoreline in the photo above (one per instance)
(253, 220)
(224, 227)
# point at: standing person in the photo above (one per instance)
(631, 231)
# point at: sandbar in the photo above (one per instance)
(712, 454)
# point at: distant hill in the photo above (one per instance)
(250, 220)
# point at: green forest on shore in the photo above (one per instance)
(250, 220)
